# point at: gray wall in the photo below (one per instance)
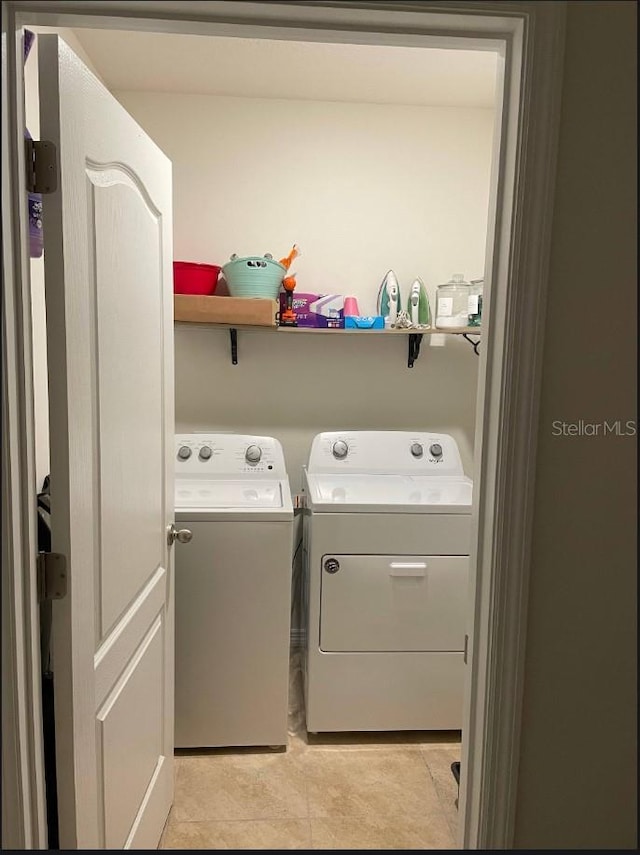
(578, 779)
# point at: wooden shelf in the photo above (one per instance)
(212, 312)
(414, 336)
(322, 331)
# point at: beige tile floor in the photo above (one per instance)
(338, 791)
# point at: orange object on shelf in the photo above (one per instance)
(288, 260)
(288, 317)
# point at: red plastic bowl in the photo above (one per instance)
(192, 278)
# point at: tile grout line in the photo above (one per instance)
(296, 718)
(443, 809)
(258, 819)
(310, 833)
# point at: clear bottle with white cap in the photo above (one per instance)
(452, 303)
(475, 302)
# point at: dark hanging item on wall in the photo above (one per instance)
(35, 199)
(415, 340)
(48, 713)
(455, 770)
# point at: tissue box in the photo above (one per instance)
(316, 310)
(362, 322)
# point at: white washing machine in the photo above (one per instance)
(387, 532)
(233, 591)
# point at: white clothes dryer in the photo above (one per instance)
(233, 591)
(387, 532)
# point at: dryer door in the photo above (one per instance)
(378, 603)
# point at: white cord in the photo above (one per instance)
(404, 322)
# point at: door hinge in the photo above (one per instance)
(42, 166)
(52, 576)
(466, 649)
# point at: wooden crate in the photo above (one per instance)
(225, 310)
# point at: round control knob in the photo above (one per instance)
(417, 450)
(205, 453)
(436, 450)
(253, 454)
(340, 449)
(184, 452)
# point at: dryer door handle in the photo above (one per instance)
(407, 568)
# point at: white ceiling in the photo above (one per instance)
(261, 68)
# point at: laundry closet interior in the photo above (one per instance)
(325, 473)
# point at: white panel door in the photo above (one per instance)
(108, 258)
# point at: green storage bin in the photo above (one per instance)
(254, 276)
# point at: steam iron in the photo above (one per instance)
(389, 303)
(418, 309)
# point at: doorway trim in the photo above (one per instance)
(518, 248)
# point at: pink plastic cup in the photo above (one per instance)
(351, 306)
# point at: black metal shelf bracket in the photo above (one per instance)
(474, 344)
(415, 340)
(233, 335)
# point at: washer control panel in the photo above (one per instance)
(385, 452)
(228, 455)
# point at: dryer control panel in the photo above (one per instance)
(385, 452)
(226, 455)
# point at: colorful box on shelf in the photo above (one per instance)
(225, 310)
(317, 311)
(364, 322)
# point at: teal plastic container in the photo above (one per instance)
(254, 276)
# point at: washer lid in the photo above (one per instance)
(389, 494)
(228, 495)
